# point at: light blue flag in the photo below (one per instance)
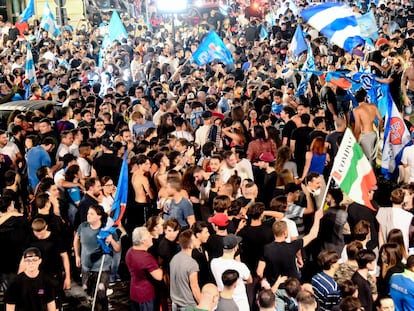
(48, 21)
(298, 44)
(263, 33)
(396, 137)
(30, 71)
(309, 68)
(337, 22)
(116, 29)
(28, 12)
(212, 48)
(368, 26)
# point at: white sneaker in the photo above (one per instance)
(109, 292)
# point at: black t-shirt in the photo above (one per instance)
(333, 140)
(254, 240)
(301, 137)
(395, 87)
(357, 212)
(316, 133)
(166, 250)
(260, 102)
(50, 248)
(108, 164)
(327, 96)
(214, 246)
(280, 259)
(364, 291)
(204, 275)
(13, 234)
(84, 205)
(31, 293)
(288, 129)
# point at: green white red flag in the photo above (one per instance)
(352, 171)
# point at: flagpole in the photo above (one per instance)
(326, 192)
(97, 282)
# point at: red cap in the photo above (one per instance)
(219, 219)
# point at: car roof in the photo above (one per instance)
(25, 105)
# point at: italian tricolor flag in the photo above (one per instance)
(352, 171)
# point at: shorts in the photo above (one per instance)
(408, 110)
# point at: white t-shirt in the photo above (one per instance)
(395, 218)
(408, 159)
(201, 135)
(219, 265)
(11, 150)
(292, 229)
(84, 166)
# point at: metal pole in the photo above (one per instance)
(97, 282)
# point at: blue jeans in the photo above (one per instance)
(142, 306)
(116, 259)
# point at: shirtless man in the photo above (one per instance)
(138, 211)
(407, 88)
(363, 128)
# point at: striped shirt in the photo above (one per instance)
(326, 291)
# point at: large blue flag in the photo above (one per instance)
(116, 28)
(210, 49)
(118, 208)
(337, 22)
(298, 44)
(48, 21)
(30, 71)
(28, 12)
(368, 26)
(396, 137)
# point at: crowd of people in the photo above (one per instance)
(228, 169)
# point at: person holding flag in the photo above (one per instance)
(94, 262)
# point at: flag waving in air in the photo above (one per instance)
(30, 71)
(368, 26)
(48, 21)
(28, 12)
(337, 22)
(298, 44)
(118, 208)
(396, 137)
(116, 28)
(210, 49)
(352, 170)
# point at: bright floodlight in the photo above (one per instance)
(172, 6)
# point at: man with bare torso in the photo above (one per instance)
(407, 88)
(138, 211)
(364, 126)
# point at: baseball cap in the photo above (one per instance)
(32, 252)
(266, 157)
(219, 219)
(231, 241)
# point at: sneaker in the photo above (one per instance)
(112, 283)
(109, 292)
